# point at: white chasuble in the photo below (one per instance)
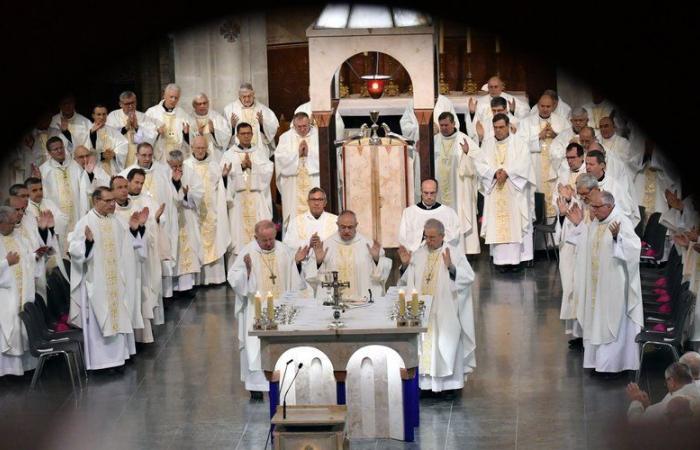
(303, 226)
(296, 175)
(458, 185)
(265, 140)
(272, 271)
(173, 136)
(146, 132)
(413, 220)
(447, 351)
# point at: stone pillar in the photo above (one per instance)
(217, 57)
(425, 143)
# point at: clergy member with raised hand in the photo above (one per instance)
(106, 141)
(246, 174)
(264, 122)
(130, 197)
(99, 286)
(313, 225)
(213, 216)
(506, 174)
(263, 266)
(356, 258)
(482, 128)
(61, 178)
(539, 130)
(456, 175)
(172, 123)
(414, 217)
(297, 167)
(134, 125)
(618, 186)
(609, 289)
(73, 126)
(212, 125)
(578, 120)
(447, 349)
(93, 175)
(481, 108)
(17, 281)
(188, 197)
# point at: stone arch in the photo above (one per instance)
(315, 383)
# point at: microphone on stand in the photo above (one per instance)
(284, 399)
(284, 374)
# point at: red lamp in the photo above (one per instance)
(375, 85)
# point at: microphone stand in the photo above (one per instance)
(284, 400)
(284, 374)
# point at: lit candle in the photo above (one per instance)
(402, 303)
(258, 306)
(270, 307)
(441, 47)
(414, 302)
(469, 40)
(498, 45)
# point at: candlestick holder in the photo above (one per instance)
(469, 87)
(401, 320)
(444, 86)
(414, 319)
(258, 324)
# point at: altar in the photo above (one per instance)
(365, 324)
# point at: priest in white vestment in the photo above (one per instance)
(264, 122)
(212, 125)
(653, 175)
(507, 177)
(172, 123)
(339, 124)
(106, 141)
(17, 278)
(409, 122)
(357, 259)
(93, 175)
(130, 198)
(263, 266)
(539, 130)
(447, 349)
(189, 191)
(297, 167)
(561, 108)
(61, 179)
(414, 217)
(609, 288)
(246, 174)
(618, 185)
(613, 143)
(159, 186)
(481, 107)
(578, 120)
(598, 108)
(482, 127)
(214, 232)
(38, 205)
(134, 125)
(99, 286)
(314, 223)
(72, 125)
(457, 178)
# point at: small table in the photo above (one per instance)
(367, 325)
(311, 426)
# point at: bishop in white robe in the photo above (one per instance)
(457, 178)
(215, 236)
(247, 174)
(134, 125)
(99, 286)
(246, 109)
(17, 278)
(212, 125)
(609, 289)
(447, 349)
(173, 124)
(357, 259)
(297, 167)
(263, 265)
(507, 177)
(414, 217)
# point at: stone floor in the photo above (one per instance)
(529, 390)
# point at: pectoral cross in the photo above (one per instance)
(273, 277)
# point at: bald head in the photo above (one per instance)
(586, 137)
(200, 145)
(692, 360)
(265, 234)
(495, 86)
(428, 192)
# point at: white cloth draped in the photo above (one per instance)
(413, 220)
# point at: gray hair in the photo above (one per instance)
(126, 95)
(176, 155)
(264, 225)
(579, 112)
(6, 213)
(198, 96)
(435, 224)
(347, 212)
(246, 86)
(171, 87)
(679, 372)
(607, 198)
(587, 181)
(692, 360)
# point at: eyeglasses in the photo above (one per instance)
(111, 200)
(322, 199)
